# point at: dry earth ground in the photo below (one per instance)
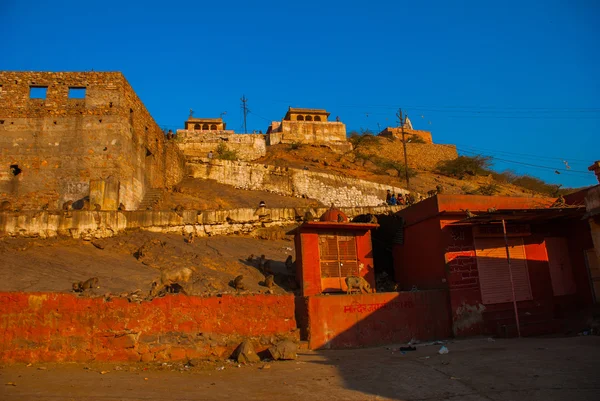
(54, 264)
(531, 369)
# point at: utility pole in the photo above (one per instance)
(401, 119)
(245, 111)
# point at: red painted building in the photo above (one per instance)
(329, 250)
(444, 249)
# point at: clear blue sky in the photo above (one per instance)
(518, 80)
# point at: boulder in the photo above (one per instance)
(285, 349)
(245, 353)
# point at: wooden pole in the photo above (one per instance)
(512, 284)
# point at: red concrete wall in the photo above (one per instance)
(345, 321)
(420, 261)
(62, 327)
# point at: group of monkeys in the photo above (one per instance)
(266, 267)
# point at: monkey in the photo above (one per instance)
(5, 206)
(308, 216)
(289, 264)
(86, 285)
(340, 218)
(250, 258)
(491, 210)
(357, 283)
(121, 207)
(468, 212)
(261, 263)
(169, 277)
(238, 283)
(269, 281)
(432, 193)
(439, 189)
(268, 267)
(179, 210)
(67, 205)
(190, 238)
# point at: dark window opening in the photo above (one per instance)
(148, 153)
(109, 104)
(197, 127)
(1, 121)
(205, 127)
(15, 170)
(299, 118)
(76, 93)
(308, 118)
(213, 127)
(38, 92)
(317, 118)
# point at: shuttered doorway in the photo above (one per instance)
(492, 266)
(338, 260)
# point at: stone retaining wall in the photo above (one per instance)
(91, 224)
(327, 188)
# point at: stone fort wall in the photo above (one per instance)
(61, 144)
(198, 143)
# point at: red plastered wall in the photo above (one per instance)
(345, 321)
(64, 327)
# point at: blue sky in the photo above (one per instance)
(515, 80)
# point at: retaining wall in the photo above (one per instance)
(327, 188)
(51, 327)
(93, 224)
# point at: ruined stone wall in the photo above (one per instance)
(396, 133)
(421, 156)
(53, 327)
(198, 143)
(326, 188)
(60, 144)
(92, 224)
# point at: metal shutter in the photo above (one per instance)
(338, 259)
(494, 278)
(561, 272)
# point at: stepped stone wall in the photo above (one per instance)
(326, 188)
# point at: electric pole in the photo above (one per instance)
(245, 111)
(401, 120)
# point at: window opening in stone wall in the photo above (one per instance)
(15, 170)
(317, 118)
(76, 92)
(197, 127)
(148, 153)
(308, 118)
(299, 118)
(213, 127)
(205, 127)
(0, 89)
(38, 92)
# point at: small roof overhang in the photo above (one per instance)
(330, 225)
(523, 216)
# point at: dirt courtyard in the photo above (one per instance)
(475, 369)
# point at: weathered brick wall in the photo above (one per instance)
(327, 188)
(198, 143)
(52, 327)
(60, 144)
(91, 224)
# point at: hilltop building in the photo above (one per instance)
(411, 135)
(308, 126)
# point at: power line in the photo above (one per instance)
(522, 154)
(531, 165)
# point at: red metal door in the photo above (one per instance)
(492, 265)
(561, 272)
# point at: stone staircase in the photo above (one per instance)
(152, 196)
